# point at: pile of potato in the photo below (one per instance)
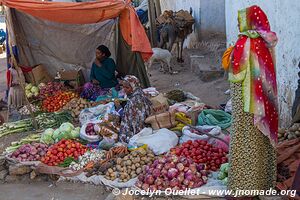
(130, 166)
(288, 134)
(76, 105)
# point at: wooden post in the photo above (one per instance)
(15, 63)
(157, 7)
(152, 18)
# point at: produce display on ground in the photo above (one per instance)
(202, 152)
(27, 140)
(25, 111)
(58, 101)
(58, 152)
(171, 171)
(30, 152)
(49, 89)
(122, 167)
(31, 91)
(65, 131)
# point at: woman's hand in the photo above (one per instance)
(94, 81)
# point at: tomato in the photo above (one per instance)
(54, 151)
(189, 142)
(213, 168)
(224, 159)
(73, 145)
(69, 151)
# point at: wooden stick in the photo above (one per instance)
(208, 134)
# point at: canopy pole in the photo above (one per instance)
(15, 63)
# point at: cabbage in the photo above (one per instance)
(29, 95)
(34, 89)
(47, 136)
(77, 129)
(36, 94)
(28, 86)
(66, 127)
(225, 181)
(221, 175)
(56, 134)
(74, 134)
(64, 135)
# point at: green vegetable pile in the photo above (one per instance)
(223, 174)
(44, 120)
(66, 131)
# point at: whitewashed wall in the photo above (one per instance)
(284, 17)
(209, 14)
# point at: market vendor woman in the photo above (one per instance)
(137, 109)
(103, 69)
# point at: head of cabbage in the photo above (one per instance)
(66, 127)
(47, 136)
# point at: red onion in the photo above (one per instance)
(175, 188)
(155, 163)
(180, 177)
(180, 166)
(164, 172)
(156, 173)
(159, 166)
(204, 178)
(172, 173)
(189, 175)
(139, 184)
(169, 166)
(191, 184)
(145, 186)
(149, 179)
(158, 181)
(200, 167)
(193, 167)
(174, 182)
(162, 160)
(153, 188)
(141, 177)
(186, 182)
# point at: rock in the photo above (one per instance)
(32, 175)
(12, 178)
(19, 170)
(3, 174)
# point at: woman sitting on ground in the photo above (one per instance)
(137, 109)
(102, 75)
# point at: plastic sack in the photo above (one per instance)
(189, 135)
(89, 138)
(100, 180)
(160, 141)
(215, 118)
(228, 107)
(95, 112)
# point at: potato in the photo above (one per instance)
(142, 162)
(144, 158)
(133, 167)
(150, 155)
(134, 153)
(128, 162)
(110, 170)
(297, 133)
(138, 170)
(133, 175)
(119, 161)
(137, 165)
(114, 168)
(137, 159)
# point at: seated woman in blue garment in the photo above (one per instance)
(103, 69)
(102, 76)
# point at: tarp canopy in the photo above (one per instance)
(64, 35)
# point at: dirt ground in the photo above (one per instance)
(210, 92)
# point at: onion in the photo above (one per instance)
(174, 182)
(156, 173)
(189, 175)
(139, 184)
(180, 166)
(159, 166)
(153, 188)
(164, 172)
(149, 179)
(186, 182)
(204, 178)
(191, 184)
(180, 177)
(158, 181)
(145, 186)
(193, 167)
(160, 187)
(198, 184)
(162, 160)
(200, 167)
(155, 163)
(172, 173)
(169, 166)
(141, 177)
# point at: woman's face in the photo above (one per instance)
(99, 54)
(127, 89)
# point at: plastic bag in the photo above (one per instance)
(160, 141)
(228, 107)
(95, 112)
(189, 135)
(89, 138)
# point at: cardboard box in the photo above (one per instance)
(39, 74)
(74, 76)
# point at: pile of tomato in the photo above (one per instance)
(58, 152)
(56, 102)
(202, 152)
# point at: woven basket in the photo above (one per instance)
(163, 120)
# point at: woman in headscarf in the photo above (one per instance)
(137, 109)
(252, 75)
(102, 75)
